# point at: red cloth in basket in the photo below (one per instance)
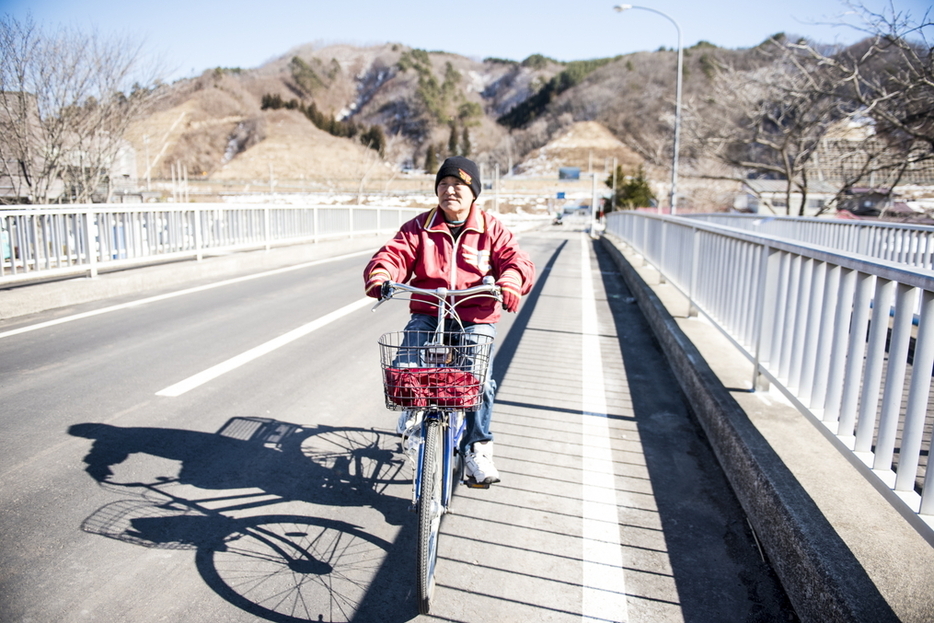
(422, 387)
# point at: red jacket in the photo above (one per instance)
(420, 254)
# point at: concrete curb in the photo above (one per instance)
(820, 574)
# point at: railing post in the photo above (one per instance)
(917, 408)
(267, 234)
(812, 335)
(790, 317)
(695, 261)
(90, 245)
(825, 336)
(316, 224)
(841, 328)
(905, 300)
(645, 240)
(759, 321)
(878, 332)
(856, 349)
(198, 242)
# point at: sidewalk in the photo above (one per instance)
(841, 551)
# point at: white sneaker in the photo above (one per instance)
(406, 421)
(479, 463)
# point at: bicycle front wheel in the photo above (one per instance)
(430, 508)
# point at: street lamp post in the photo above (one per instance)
(674, 157)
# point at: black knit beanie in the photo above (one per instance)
(462, 168)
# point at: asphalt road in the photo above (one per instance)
(225, 455)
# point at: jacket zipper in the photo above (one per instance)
(453, 276)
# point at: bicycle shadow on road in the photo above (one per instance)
(319, 464)
(305, 567)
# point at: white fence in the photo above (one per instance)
(83, 239)
(849, 340)
(895, 242)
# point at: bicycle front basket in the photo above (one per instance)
(412, 380)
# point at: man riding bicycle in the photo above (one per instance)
(455, 246)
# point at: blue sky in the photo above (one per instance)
(195, 35)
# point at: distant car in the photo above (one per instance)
(557, 220)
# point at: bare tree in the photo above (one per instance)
(769, 121)
(857, 114)
(889, 80)
(66, 100)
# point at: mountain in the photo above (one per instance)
(301, 117)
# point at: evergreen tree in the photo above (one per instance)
(272, 101)
(632, 191)
(374, 139)
(431, 160)
(465, 143)
(452, 140)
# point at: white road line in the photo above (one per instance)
(254, 353)
(604, 583)
(169, 295)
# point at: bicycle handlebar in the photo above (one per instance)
(487, 287)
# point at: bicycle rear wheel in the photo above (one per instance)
(430, 508)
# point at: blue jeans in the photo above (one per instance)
(477, 422)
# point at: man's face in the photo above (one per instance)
(454, 197)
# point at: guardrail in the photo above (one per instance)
(848, 340)
(895, 242)
(83, 239)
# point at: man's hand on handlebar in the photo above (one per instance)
(510, 285)
(510, 300)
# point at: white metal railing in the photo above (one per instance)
(895, 242)
(83, 239)
(849, 340)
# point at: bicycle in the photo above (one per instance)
(437, 376)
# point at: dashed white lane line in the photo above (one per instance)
(169, 295)
(235, 362)
(604, 582)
